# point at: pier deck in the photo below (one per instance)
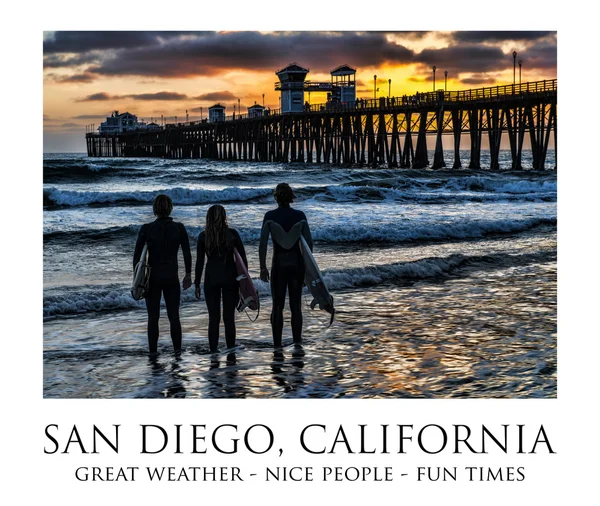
(388, 131)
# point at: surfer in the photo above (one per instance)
(164, 237)
(285, 225)
(217, 242)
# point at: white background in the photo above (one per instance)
(30, 477)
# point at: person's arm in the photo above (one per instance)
(187, 257)
(200, 249)
(240, 247)
(262, 250)
(185, 249)
(139, 245)
(306, 233)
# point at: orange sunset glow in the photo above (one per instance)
(89, 74)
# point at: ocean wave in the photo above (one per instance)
(180, 196)
(512, 186)
(361, 233)
(383, 191)
(115, 298)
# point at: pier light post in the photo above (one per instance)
(433, 68)
(239, 108)
(263, 99)
(375, 88)
(445, 81)
(520, 64)
(514, 67)
(389, 88)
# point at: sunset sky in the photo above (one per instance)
(89, 74)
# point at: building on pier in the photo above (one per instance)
(291, 84)
(216, 113)
(343, 84)
(256, 111)
(118, 123)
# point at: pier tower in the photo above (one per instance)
(291, 85)
(343, 80)
(216, 113)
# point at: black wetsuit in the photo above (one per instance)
(164, 236)
(220, 280)
(287, 272)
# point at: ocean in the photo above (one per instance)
(444, 281)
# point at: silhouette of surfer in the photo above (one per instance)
(217, 242)
(164, 237)
(285, 225)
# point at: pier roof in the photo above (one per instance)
(293, 67)
(343, 70)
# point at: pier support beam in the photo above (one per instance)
(421, 160)
(438, 157)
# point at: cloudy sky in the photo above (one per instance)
(89, 74)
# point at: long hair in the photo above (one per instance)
(216, 227)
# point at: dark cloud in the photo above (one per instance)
(58, 60)
(459, 59)
(212, 53)
(216, 96)
(70, 125)
(540, 56)
(161, 95)
(475, 81)
(96, 97)
(169, 55)
(77, 78)
(501, 36)
(82, 42)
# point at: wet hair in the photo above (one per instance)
(216, 227)
(284, 194)
(162, 206)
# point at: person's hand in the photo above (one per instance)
(264, 275)
(197, 292)
(187, 281)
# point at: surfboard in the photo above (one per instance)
(315, 282)
(248, 294)
(141, 276)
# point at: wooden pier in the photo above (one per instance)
(391, 132)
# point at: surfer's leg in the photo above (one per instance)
(230, 298)
(212, 296)
(295, 284)
(153, 308)
(278, 289)
(172, 293)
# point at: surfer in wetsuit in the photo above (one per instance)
(217, 242)
(285, 225)
(164, 237)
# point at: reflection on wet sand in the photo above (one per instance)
(488, 333)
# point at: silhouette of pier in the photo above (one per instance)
(387, 131)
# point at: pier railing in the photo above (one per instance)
(488, 94)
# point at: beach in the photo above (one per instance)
(444, 281)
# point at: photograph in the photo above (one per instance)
(299, 214)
